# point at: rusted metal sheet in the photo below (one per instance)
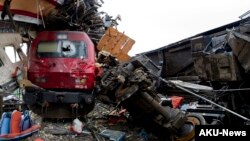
(198, 44)
(177, 61)
(217, 67)
(212, 61)
(116, 43)
(240, 44)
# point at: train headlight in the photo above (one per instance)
(81, 81)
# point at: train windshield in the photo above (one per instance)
(62, 49)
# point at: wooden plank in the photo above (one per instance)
(104, 42)
(120, 43)
(123, 57)
(128, 46)
(116, 43)
(112, 32)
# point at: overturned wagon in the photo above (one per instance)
(217, 58)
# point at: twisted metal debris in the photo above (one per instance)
(81, 15)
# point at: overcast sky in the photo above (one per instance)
(153, 24)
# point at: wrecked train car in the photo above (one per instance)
(62, 66)
(217, 58)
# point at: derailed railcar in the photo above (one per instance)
(216, 58)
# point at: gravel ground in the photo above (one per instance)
(101, 118)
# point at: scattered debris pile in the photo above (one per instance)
(104, 123)
(82, 15)
(133, 86)
(74, 15)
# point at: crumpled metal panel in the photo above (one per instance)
(10, 71)
(212, 60)
(240, 44)
(178, 59)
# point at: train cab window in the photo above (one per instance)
(61, 49)
(12, 54)
(1, 63)
(48, 49)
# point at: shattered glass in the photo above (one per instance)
(62, 49)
